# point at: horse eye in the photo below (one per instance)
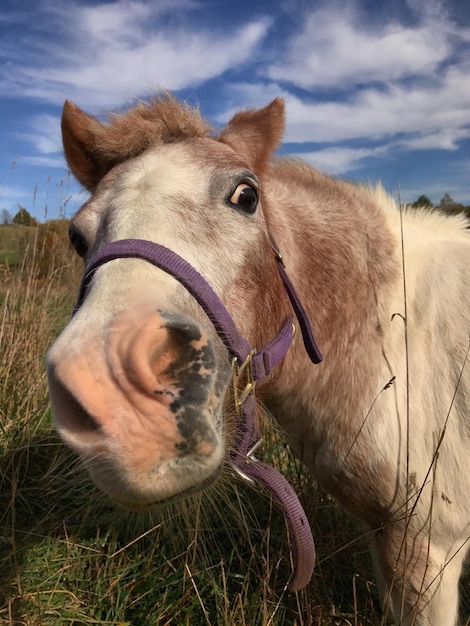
(78, 241)
(245, 197)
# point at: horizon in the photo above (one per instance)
(374, 92)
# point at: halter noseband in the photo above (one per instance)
(249, 366)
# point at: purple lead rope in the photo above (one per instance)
(262, 362)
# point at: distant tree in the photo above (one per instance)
(422, 201)
(24, 218)
(448, 205)
(5, 217)
(446, 201)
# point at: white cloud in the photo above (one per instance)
(118, 51)
(173, 60)
(446, 139)
(119, 20)
(436, 113)
(336, 49)
(376, 113)
(433, 112)
(339, 160)
(45, 135)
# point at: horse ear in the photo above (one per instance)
(255, 134)
(79, 132)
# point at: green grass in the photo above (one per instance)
(68, 557)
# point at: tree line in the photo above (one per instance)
(22, 218)
(447, 205)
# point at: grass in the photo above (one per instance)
(68, 557)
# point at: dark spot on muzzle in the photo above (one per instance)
(193, 375)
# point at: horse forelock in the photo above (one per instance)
(160, 120)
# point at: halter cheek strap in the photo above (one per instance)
(249, 366)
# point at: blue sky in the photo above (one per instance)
(375, 90)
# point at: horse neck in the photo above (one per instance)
(342, 259)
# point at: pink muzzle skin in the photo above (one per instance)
(249, 366)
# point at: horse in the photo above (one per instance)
(140, 378)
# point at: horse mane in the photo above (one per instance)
(160, 120)
(370, 198)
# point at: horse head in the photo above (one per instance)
(139, 378)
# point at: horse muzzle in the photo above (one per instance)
(139, 402)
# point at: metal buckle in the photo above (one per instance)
(244, 385)
(249, 458)
(245, 371)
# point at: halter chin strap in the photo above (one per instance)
(249, 366)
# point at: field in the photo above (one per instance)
(68, 557)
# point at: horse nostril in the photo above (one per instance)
(194, 358)
(70, 416)
(181, 328)
(88, 422)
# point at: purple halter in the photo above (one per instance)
(249, 366)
